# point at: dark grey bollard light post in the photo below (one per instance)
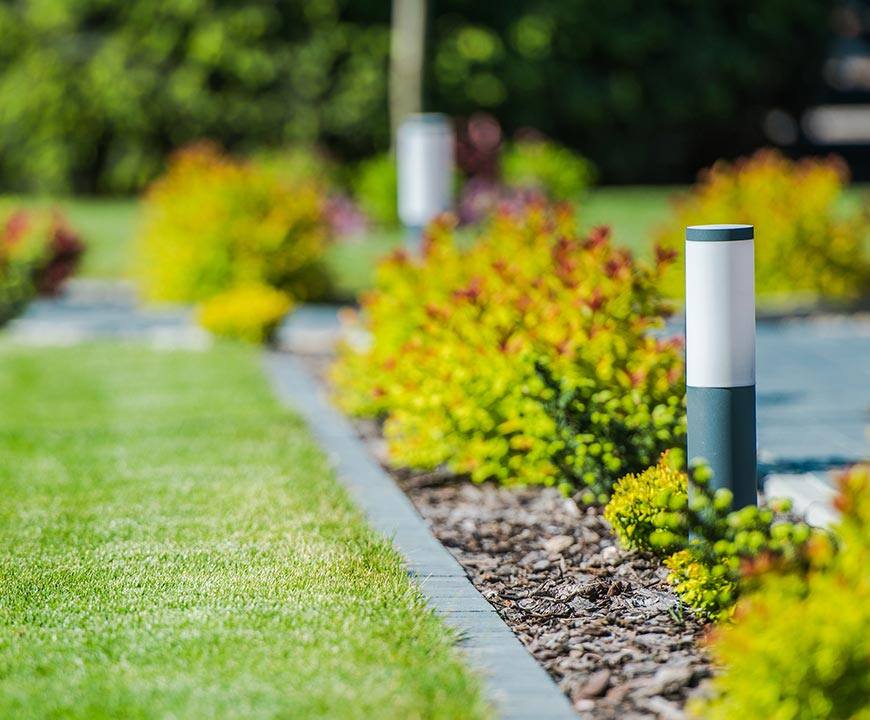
(424, 168)
(720, 355)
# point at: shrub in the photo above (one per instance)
(803, 243)
(633, 508)
(213, 223)
(546, 166)
(375, 189)
(38, 252)
(250, 312)
(528, 358)
(709, 588)
(798, 648)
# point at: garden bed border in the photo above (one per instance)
(518, 687)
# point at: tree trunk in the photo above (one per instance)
(407, 45)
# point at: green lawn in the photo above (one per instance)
(174, 546)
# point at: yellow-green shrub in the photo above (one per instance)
(637, 501)
(528, 358)
(799, 648)
(710, 589)
(248, 312)
(804, 244)
(212, 223)
(707, 546)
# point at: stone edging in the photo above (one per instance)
(516, 684)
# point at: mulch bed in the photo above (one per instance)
(602, 621)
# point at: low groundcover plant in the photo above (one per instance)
(530, 358)
(713, 552)
(248, 312)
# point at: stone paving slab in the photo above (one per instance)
(94, 310)
(813, 391)
(811, 493)
(517, 685)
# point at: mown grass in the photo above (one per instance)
(172, 545)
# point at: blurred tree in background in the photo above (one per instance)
(93, 93)
(650, 90)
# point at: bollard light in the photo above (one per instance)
(720, 355)
(424, 164)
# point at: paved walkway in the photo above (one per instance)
(813, 392)
(94, 310)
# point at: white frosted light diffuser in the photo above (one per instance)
(720, 355)
(720, 313)
(424, 157)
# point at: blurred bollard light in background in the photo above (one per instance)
(424, 157)
(720, 355)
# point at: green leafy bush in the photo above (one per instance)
(637, 501)
(610, 79)
(527, 358)
(213, 223)
(545, 166)
(95, 94)
(798, 648)
(804, 245)
(38, 252)
(375, 189)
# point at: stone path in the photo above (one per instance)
(94, 310)
(813, 392)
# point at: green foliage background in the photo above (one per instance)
(93, 93)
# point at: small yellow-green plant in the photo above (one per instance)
(710, 589)
(638, 498)
(528, 358)
(804, 243)
(799, 646)
(248, 312)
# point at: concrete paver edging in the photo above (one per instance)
(518, 687)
